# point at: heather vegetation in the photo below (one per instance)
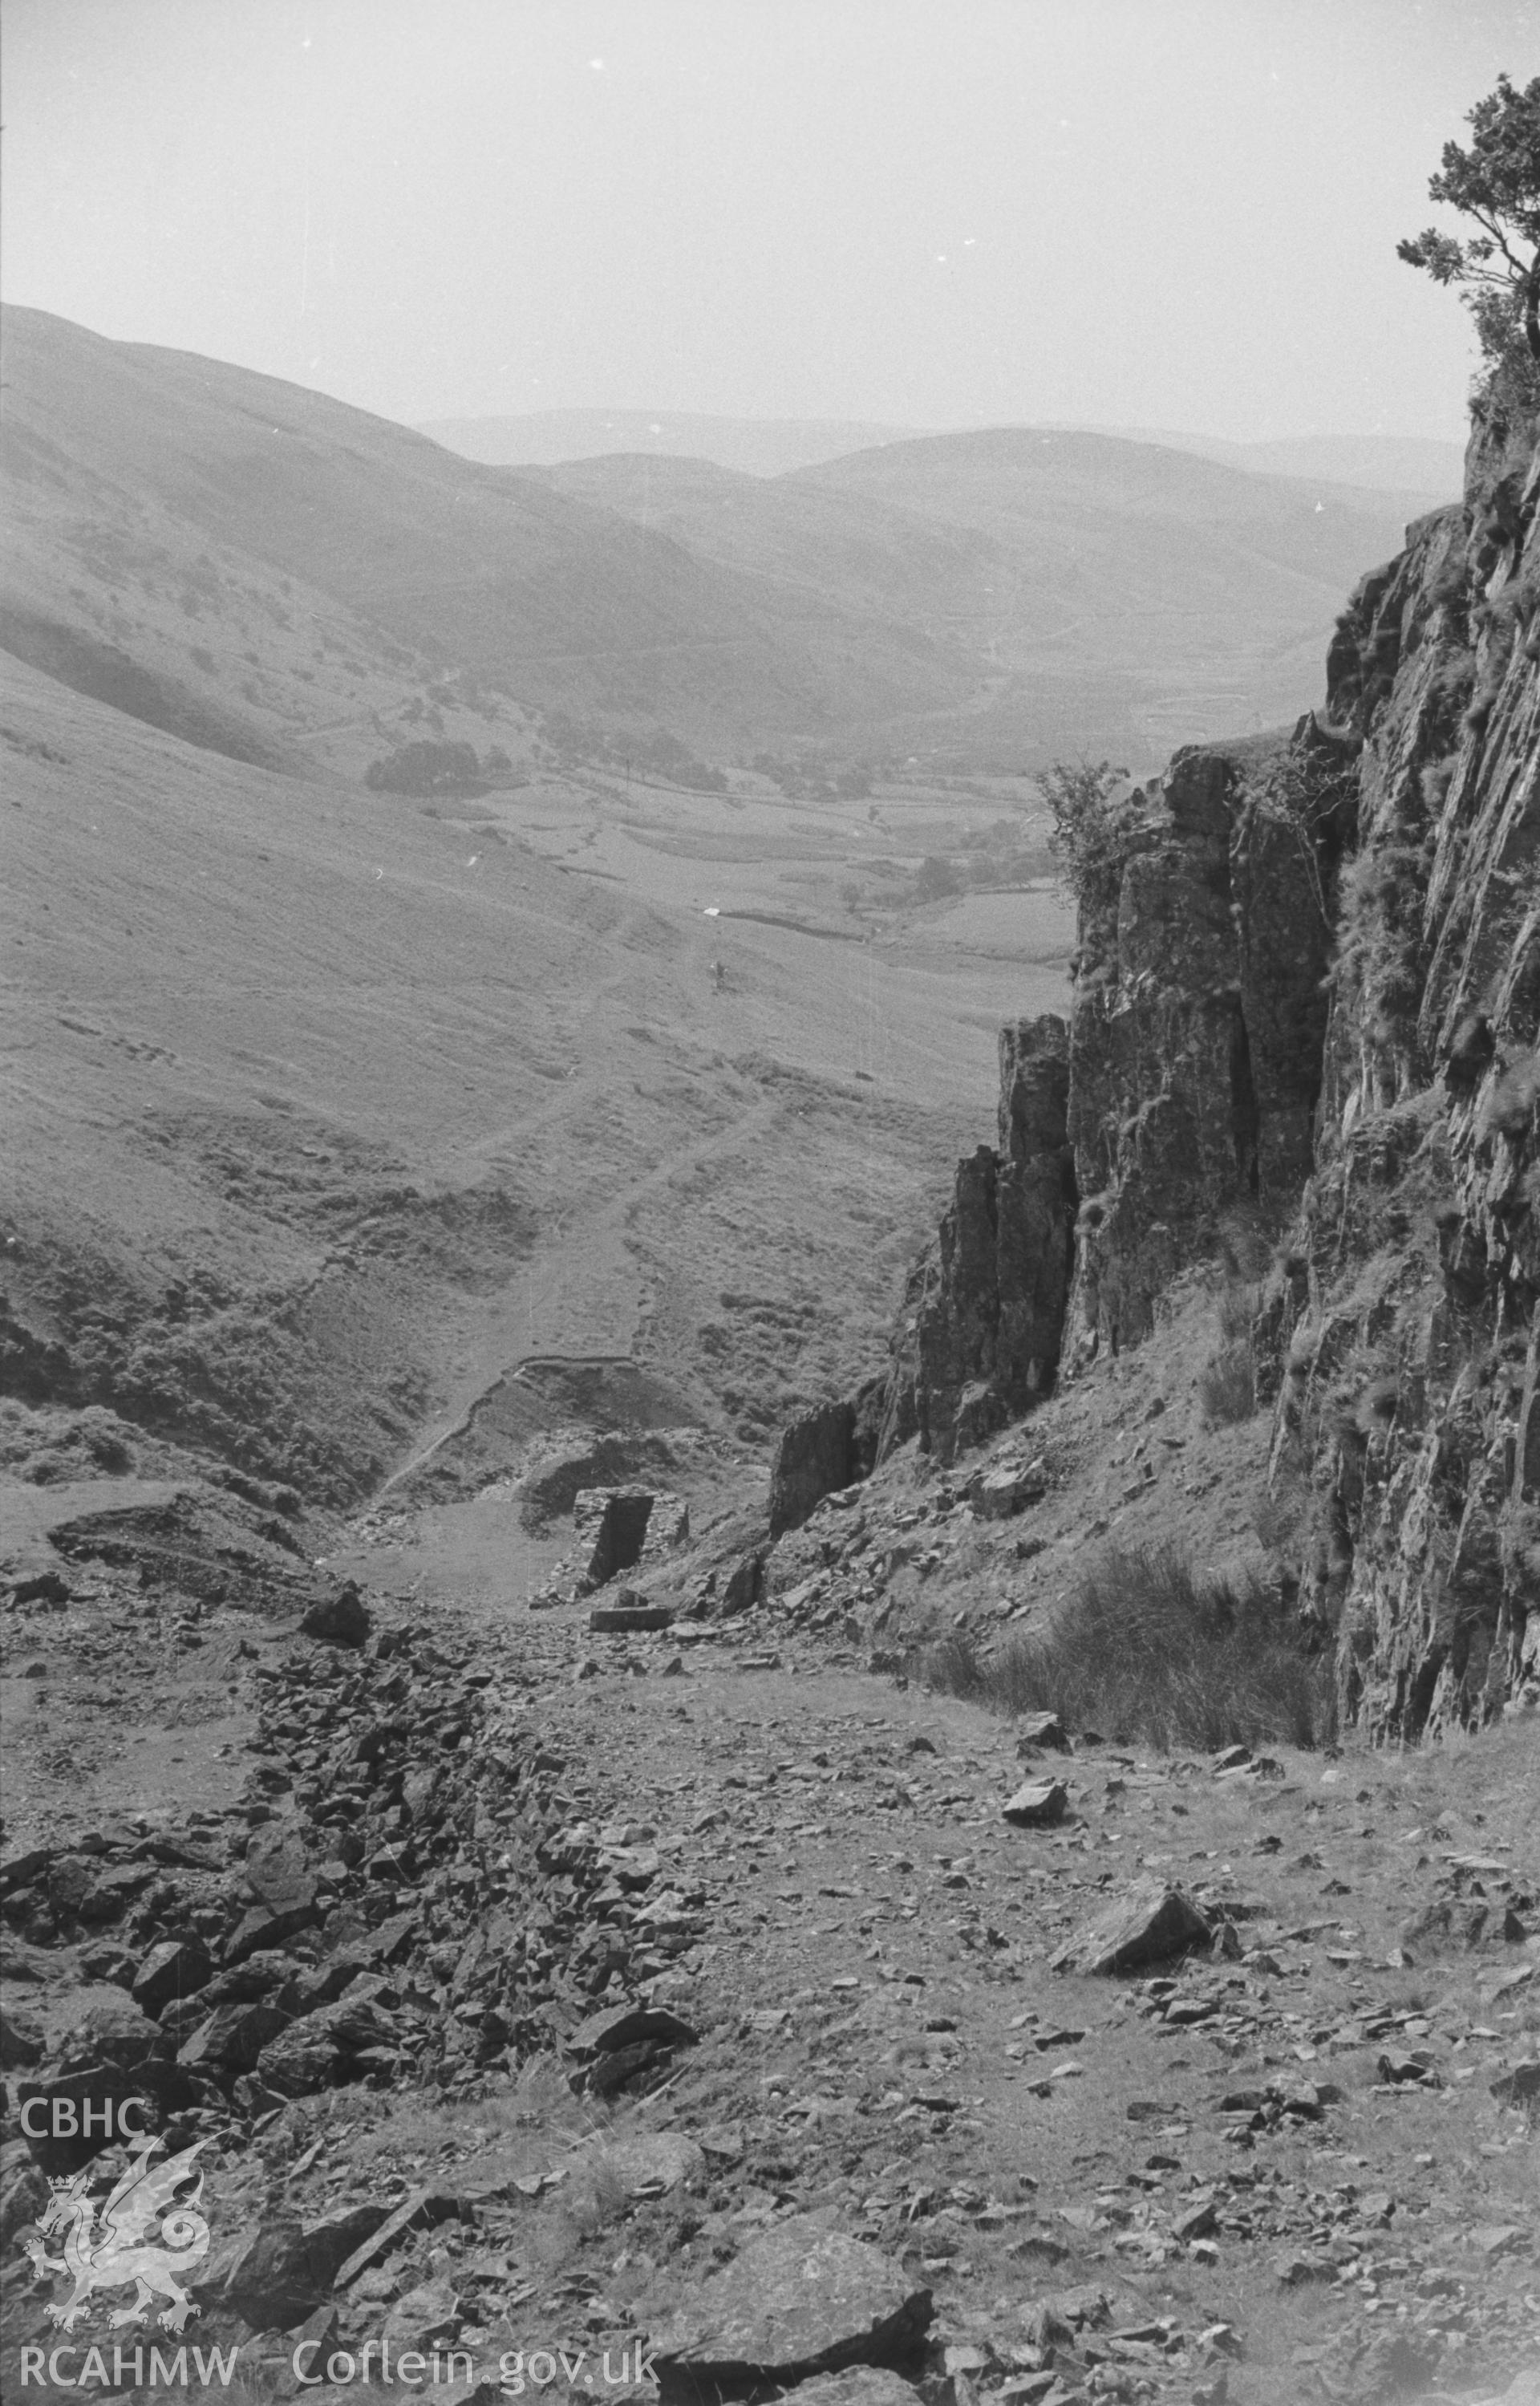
(1146, 1649)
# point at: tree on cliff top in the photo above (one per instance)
(1085, 838)
(1497, 183)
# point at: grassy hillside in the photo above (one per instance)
(1108, 594)
(1211, 589)
(277, 576)
(325, 1108)
(147, 490)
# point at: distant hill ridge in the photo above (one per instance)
(754, 447)
(771, 447)
(253, 567)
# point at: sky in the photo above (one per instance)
(931, 213)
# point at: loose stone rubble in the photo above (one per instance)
(747, 1929)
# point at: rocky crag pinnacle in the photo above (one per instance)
(982, 1316)
(1302, 1048)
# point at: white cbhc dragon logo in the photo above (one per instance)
(119, 2250)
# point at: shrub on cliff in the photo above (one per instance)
(1084, 840)
(1147, 1648)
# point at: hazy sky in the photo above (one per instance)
(1175, 213)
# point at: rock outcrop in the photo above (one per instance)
(1401, 1317)
(1391, 1102)
(1198, 1021)
(979, 1334)
(1302, 1046)
(817, 1454)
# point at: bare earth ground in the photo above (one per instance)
(1285, 2166)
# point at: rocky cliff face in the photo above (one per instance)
(1402, 1312)
(1198, 1021)
(982, 1317)
(1303, 1047)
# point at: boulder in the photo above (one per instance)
(1148, 1923)
(111, 2029)
(649, 2163)
(233, 2038)
(330, 2241)
(70, 1881)
(354, 2024)
(1038, 1806)
(610, 2073)
(427, 2315)
(176, 1968)
(267, 2274)
(1402, 2067)
(1000, 1493)
(275, 1869)
(86, 2079)
(340, 1620)
(21, 2040)
(260, 1930)
(623, 1615)
(21, 1867)
(108, 1961)
(1520, 2087)
(859, 2384)
(814, 1457)
(111, 1891)
(1037, 1730)
(745, 1582)
(624, 2026)
(1394, 2364)
(423, 2210)
(283, 1891)
(37, 1587)
(24, 2190)
(1446, 1926)
(299, 2062)
(802, 2298)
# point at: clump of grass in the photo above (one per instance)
(1227, 1386)
(1146, 1648)
(1227, 1383)
(1239, 1307)
(597, 2194)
